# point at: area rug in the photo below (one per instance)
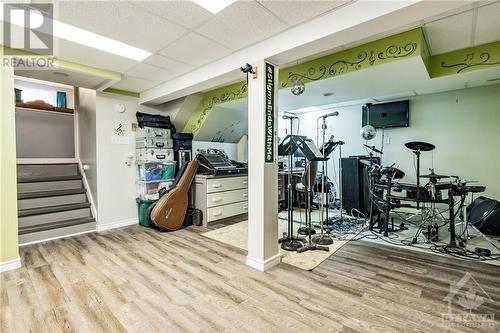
(237, 235)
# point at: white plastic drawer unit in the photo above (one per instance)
(226, 184)
(152, 132)
(221, 212)
(154, 143)
(224, 198)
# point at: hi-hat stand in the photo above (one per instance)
(322, 238)
(289, 242)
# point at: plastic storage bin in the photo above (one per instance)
(149, 171)
(142, 207)
(149, 190)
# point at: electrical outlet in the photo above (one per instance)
(387, 140)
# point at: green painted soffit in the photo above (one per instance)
(403, 45)
(383, 51)
(122, 92)
(211, 98)
(465, 60)
(68, 65)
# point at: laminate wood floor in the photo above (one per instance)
(141, 280)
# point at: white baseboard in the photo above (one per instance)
(117, 224)
(263, 265)
(10, 265)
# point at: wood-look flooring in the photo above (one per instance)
(141, 280)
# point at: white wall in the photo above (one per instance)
(86, 120)
(464, 125)
(116, 182)
(242, 149)
(231, 149)
(42, 134)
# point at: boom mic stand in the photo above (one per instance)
(323, 239)
(289, 242)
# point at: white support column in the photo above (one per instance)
(263, 251)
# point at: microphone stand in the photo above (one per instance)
(289, 242)
(323, 239)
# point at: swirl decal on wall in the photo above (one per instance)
(363, 58)
(312, 74)
(395, 51)
(222, 98)
(341, 66)
(470, 62)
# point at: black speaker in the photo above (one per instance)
(484, 214)
(355, 191)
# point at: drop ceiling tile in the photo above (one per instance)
(150, 73)
(134, 84)
(241, 24)
(121, 21)
(185, 13)
(195, 50)
(169, 64)
(295, 12)
(488, 24)
(450, 33)
(91, 57)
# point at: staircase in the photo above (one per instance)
(52, 202)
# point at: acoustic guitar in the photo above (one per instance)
(170, 211)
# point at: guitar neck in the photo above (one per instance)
(187, 177)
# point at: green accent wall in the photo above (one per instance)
(8, 172)
(466, 60)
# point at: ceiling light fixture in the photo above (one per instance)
(84, 37)
(213, 6)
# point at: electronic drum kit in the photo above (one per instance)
(384, 182)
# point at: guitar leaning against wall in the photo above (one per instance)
(170, 210)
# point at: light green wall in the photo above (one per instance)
(8, 184)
